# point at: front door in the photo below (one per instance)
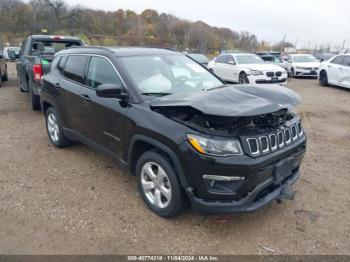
(344, 79)
(106, 115)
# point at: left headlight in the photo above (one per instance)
(215, 147)
(256, 72)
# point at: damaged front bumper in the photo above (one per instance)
(253, 201)
(254, 183)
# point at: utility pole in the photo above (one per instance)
(296, 42)
(344, 43)
(283, 42)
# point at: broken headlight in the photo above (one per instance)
(215, 147)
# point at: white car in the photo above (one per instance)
(303, 65)
(336, 71)
(247, 68)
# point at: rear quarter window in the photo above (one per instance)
(75, 67)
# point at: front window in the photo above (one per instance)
(304, 58)
(168, 74)
(249, 59)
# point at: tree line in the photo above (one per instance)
(122, 27)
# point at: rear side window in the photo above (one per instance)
(221, 59)
(75, 68)
(346, 61)
(101, 71)
(338, 60)
(61, 64)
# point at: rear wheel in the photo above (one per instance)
(323, 78)
(54, 129)
(243, 79)
(158, 185)
(0, 80)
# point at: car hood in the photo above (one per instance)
(307, 64)
(233, 100)
(263, 67)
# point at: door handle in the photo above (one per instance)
(340, 68)
(57, 85)
(329, 66)
(85, 97)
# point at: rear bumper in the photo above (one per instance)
(254, 200)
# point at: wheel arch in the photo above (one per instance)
(140, 144)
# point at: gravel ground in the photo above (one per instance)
(76, 201)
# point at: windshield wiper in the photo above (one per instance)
(155, 94)
(217, 87)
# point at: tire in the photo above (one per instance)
(158, 185)
(5, 77)
(293, 73)
(35, 100)
(243, 79)
(323, 80)
(20, 86)
(0, 80)
(54, 129)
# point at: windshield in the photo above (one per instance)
(52, 46)
(168, 74)
(249, 59)
(304, 58)
(199, 58)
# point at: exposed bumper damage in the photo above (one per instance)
(248, 113)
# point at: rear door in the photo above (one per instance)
(333, 69)
(344, 79)
(70, 101)
(219, 65)
(106, 115)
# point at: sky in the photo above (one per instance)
(305, 22)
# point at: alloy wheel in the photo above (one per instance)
(52, 127)
(156, 185)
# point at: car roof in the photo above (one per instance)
(49, 37)
(120, 51)
(300, 54)
(234, 54)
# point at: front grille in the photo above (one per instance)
(262, 81)
(279, 73)
(270, 74)
(264, 144)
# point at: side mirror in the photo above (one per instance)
(110, 91)
(231, 63)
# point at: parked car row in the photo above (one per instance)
(187, 135)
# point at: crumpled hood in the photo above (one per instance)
(234, 100)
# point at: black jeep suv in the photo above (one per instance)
(177, 127)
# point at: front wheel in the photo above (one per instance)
(323, 78)
(54, 129)
(158, 185)
(243, 79)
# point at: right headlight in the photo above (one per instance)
(215, 147)
(256, 72)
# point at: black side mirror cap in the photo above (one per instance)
(111, 91)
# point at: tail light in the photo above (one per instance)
(38, 72)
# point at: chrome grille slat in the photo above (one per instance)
(272, 142)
